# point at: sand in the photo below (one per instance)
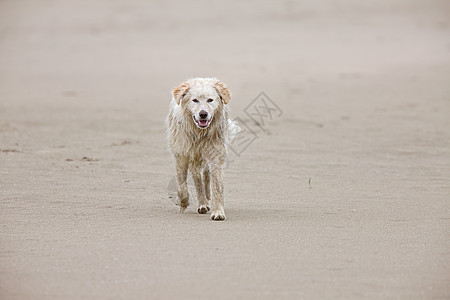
(342, 193)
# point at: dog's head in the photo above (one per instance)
(202, 98)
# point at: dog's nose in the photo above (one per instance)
(203, 114)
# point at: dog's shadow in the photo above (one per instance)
(246, 214)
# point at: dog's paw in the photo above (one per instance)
(203, 209)
(183, 203)
(183, 206)
(218, 215)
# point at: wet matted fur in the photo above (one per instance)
(199, 128)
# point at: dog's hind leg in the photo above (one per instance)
(183, 193)
(203, 207)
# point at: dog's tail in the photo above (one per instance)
(233, 130)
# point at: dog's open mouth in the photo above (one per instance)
(202, 123)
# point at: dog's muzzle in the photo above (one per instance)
(203, 121)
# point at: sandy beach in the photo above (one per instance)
(342, 192)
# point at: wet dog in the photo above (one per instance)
(199, 128)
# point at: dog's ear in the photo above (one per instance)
(180, 91)
(223, 91)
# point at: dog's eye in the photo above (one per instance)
(195, 100)
(210, 100)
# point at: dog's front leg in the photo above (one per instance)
(183, 194)
(207, 184)
(203, 207)
(217, 210)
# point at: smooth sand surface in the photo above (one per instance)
(345, 195)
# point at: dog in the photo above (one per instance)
(199, 129)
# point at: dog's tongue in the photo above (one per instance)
(203, 122)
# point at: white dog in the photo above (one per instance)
(199, 129)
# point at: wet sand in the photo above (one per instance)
(342, 194)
